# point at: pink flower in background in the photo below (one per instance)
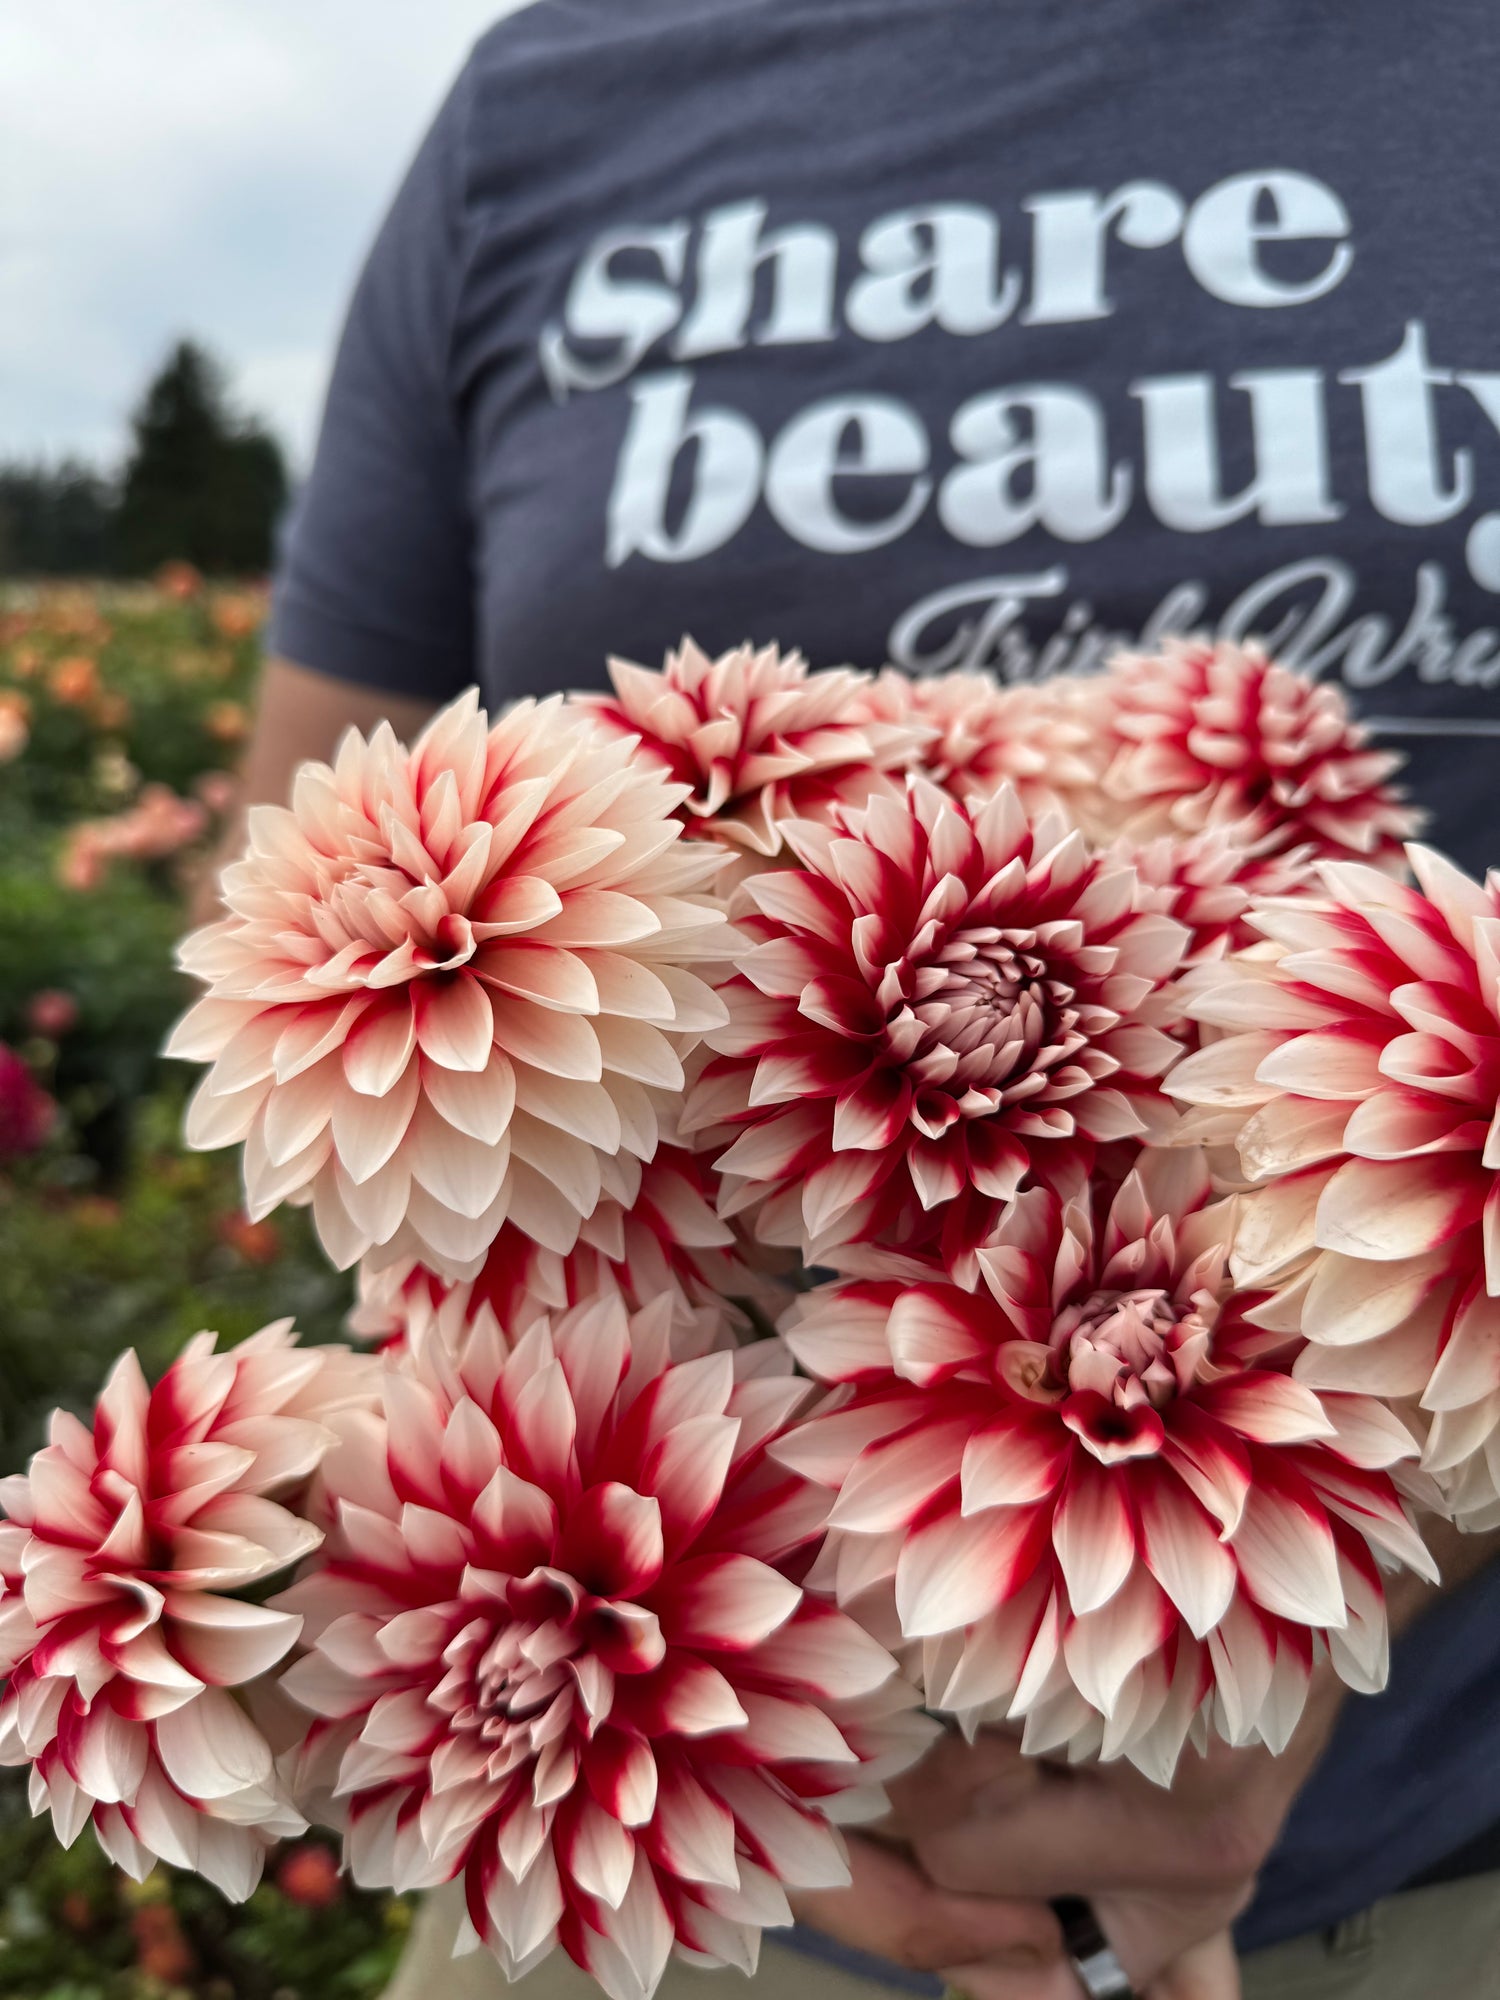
(941, 1007)
(52, 1012)
(1090, 1494)
(668, 1245)
(559, 1652)
(1358, 1067)
(218, 790)
(449, 978)
(1035, 735)
(118, 1639)
(757, 738)
(157, 826)
(27, 1113)
(1210, 733)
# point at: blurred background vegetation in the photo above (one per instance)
(123, 706)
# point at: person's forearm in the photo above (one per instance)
(299, 715)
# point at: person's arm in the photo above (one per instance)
(299, 715)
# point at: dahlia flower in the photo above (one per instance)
(1092, 1493)
(119, 1639)
(943, 1003)
(1208, 733)
(1035, 735)
(668, 1244)
(447, 978)
(1359, 1070)
(755, 738)
(1209, 882)
(558, 1650)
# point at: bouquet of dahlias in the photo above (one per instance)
(873, 1201)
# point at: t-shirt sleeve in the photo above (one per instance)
(375, 581)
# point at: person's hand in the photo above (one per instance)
(983, 1947)
(1167, 1871)
(988, 1947)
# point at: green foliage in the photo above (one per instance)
(199, 486)
(73, 1928)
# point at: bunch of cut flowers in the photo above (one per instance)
(874, 1201)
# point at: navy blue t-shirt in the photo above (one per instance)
(962, 334)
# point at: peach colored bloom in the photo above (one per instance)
(448, 980)
(15, 732)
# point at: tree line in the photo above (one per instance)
(200, 484)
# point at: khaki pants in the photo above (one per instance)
(1433, 1944)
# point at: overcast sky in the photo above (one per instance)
(204, 167)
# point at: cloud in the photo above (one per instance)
(204, 167)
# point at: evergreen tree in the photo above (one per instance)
(55, 520)
(199, 485)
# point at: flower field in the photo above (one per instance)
(122, 710)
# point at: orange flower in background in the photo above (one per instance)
(238, 614)
(256, 1242)
(112, 710)
(162, 1952)
(74, 681)
(309, 1875)
(179, 580)
(227, 721)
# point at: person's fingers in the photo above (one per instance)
(1066, 1837)
(1210, 1971)
(943, 1787)
(1057, 1981)
(892, 1912)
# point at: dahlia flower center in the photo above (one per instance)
(390, 904)
(1122, 1345)
(529, 1682)
(988, 1010)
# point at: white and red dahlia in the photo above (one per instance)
(1209, 733)
(1035, 735)
(1093, 1494)
(754, 737)
(1358, 1067)
(943, 1004)
(560, 1651)
(120, 1638)
(448, 978)
(1210, 882)
(669, 1244)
